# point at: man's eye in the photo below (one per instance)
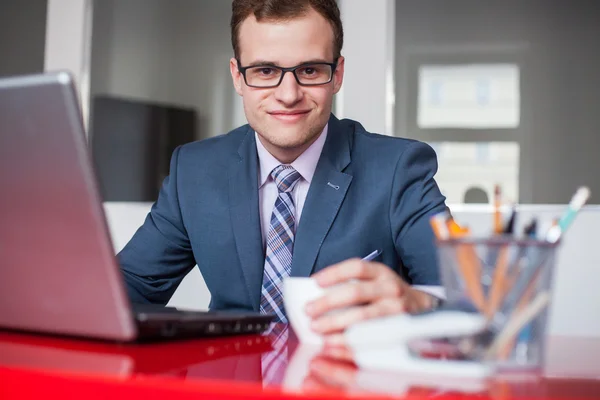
(266, 71)
(308, 71)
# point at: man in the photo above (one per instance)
(295, 191)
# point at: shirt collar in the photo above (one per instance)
(305, 164)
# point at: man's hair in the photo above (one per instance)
(285, 10)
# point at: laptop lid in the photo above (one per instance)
(58, 271)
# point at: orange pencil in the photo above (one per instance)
(469, 265)
(438, 224)
(500, 283)
(498, 228)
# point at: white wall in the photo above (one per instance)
(173, 52)
(68, 31)
(367, 94)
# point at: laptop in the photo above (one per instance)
(58, 270)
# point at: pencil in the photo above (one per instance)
(500, 283)
(497, 214)
(439, 226)
(469, 265)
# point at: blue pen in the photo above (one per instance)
(373, 255)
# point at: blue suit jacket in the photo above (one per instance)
(381, 196)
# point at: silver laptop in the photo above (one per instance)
(58, 270)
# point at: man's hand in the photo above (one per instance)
(365, 290)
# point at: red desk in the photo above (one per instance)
(36, 366)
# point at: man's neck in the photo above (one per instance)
(286, 156)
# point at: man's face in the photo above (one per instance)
(288, 118)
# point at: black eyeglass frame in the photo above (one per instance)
(283, 70)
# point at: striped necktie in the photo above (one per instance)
(280, 243)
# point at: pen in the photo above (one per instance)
(373, 255)
(577, 201)
(531, 229)
(510, 225)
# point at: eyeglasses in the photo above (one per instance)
(270, 76)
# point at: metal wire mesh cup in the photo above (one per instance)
(510, 282)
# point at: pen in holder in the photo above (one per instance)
(515, 302)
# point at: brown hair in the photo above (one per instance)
(276, 10)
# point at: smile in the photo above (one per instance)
(289, 116)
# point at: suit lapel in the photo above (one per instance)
(245, 217)
(327, 191)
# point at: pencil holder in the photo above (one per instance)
(510, 282)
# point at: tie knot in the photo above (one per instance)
(285, 177)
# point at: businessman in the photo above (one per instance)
(296, 191)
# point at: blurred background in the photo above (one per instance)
(506, 91)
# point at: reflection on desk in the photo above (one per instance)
(231, 368)
(233, 358)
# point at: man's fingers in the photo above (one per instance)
(339, 321)
(342, 296)
(350, 269)
(354, 294)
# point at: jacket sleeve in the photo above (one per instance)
(159, 255)
(414, 199)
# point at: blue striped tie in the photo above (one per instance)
(280, 243)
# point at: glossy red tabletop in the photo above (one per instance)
(33, 365)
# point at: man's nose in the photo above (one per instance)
(289, 91)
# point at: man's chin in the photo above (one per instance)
(289, 144)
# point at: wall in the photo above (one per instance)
(22, 36)
(130, 49)
(556, 44)
(67, 47)
(173, 52)
(367, 94)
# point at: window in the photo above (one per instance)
(471, 96)
(468, 168)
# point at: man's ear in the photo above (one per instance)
(236, 76)
(338, 76)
